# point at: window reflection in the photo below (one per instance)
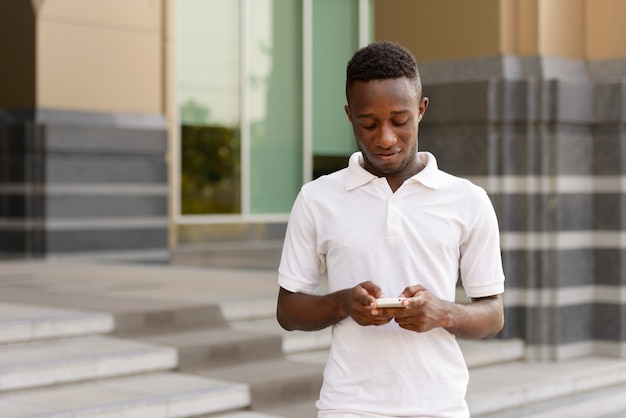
(208, 100)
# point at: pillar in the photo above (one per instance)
(527, 99)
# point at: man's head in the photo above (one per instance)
(381, 61)
(385, 107)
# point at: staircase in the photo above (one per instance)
(65, 363)
(121, 350)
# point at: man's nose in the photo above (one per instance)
(387, 137)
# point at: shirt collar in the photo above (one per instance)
(358, 176)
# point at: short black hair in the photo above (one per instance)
(380, 61)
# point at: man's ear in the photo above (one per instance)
(348, 112)
(422, 107)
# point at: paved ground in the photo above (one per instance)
(122, 287)
(246, 294)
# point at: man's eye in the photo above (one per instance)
(368, 127)
(400, 123)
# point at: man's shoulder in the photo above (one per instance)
(323, 182)
(455, 180)
(460, 186)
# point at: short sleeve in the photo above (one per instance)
(301, 267)
(481, 259)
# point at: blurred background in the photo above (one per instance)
(180, 131)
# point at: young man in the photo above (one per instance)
(391, 224)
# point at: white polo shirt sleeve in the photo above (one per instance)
(481, 261)
(301, 267)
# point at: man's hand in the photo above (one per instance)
(359, 305)
(423, 311)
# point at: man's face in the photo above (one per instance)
(385, 115)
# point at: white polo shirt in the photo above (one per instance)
(352, 227)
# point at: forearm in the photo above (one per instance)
(299, 311)
(482, 318)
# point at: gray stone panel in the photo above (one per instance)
(511, 67)
(565, 325)
(576, 324)
(22, 168)
(518, 322)
(44, 116)
(517, 101)
(462, 150)
(22, 206)
(609, 212)
(63, 151)
(609, 106)
(609, 267)
(520, 149)
(22, 241)
(607, 70)
(76, 168)
(13, 241)
(461, 102)
(104, 140)
(67, 206)
(58, 242)
(574, 102)
(609, 150)
(545, 212)
(574, 268)
(573, 151)
(574, 212)
(513, 211)
(608, 322)
(565, 268)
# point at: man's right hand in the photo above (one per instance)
(359, 305)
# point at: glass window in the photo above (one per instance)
(275, 104)
(208, 94)
(335, 38)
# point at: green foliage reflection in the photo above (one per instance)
(210, 175)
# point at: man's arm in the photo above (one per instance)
(483, 317)
(299, 311)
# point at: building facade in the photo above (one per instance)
(140, 128)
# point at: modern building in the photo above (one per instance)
(156, 128)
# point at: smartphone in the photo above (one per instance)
(389, 303)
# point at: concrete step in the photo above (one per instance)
(303, 345)
(255, 254)
(144, 318)
(153, 395)
(602, 403)
(273, 383)
(42, 363)
(502, 387)
(480, 353)
(208, 348)
(300, 410)
(20, 322)
(292, 341)
(246, 414)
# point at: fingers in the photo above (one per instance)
(372, 288)
(412, 291)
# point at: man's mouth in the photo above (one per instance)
(387, 155)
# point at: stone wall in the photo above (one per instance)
(86, 183)
(548, 144)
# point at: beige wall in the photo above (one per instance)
(605, 29)
(100, 55)
(442, 29)
(561, 28)
(456, 29)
